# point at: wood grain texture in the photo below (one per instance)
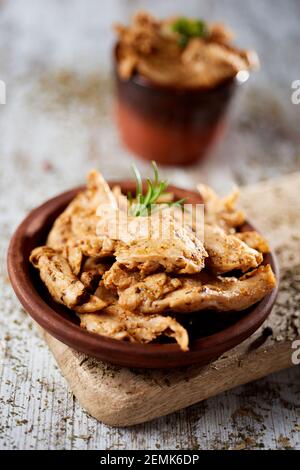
(123, 397)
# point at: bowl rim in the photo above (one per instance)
(65, 330)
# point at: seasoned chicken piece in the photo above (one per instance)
(169, 245)
(227, 252)
(92, 272)
(118, 323)
(62, 240)
(153, 242)
(98, 191)
(74, 256)
(221, 211)
(121, 199)
(62, 284)
(203, 292)
(80, 215)
(147, 291)
(122, 226)
(254, 240)
(94, 304)
(107, 295)
(119, 278)
(224, 294)
(100, 201)
(216, 61)
(220, 33)
(84, 224)
(172, 255)
(138, 40)
(117, 225)
(95, 246)
(61, 231)
(75, 229)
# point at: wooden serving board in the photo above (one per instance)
(123, 397)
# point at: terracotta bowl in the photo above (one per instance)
(211, 333)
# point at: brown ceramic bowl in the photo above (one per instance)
(173, 126)
(211, 333)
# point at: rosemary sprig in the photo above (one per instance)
(141, 205)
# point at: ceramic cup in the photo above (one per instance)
(170, 125)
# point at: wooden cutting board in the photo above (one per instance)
(123, 397)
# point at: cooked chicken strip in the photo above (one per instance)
(76, 226)
(150, 243)
(62, 284)
(175, 249)
(216, 59)
(99, 191)
(119, 278)
(221, 211)
(107, 295)
(121, 199)
(62, 238)
(61, 231)
(141, 295)
(95, 246)
(84, 224)
(92, 271)
(173, 255)
(94, 304)
(225, 294)
(227, 252)
(118, 323)
(100, 202)
(254, 240)
(90, 279)
(79, 218)
(74, 256)
(202, 292)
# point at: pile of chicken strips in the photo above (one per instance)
(180, 51)
(130, 286)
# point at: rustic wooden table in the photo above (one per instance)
(58, 123)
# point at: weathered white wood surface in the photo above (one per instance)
(54, 127)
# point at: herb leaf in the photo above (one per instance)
(189, 28)
(141, 205)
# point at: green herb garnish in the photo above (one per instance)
(188, 28)
(156, 188)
